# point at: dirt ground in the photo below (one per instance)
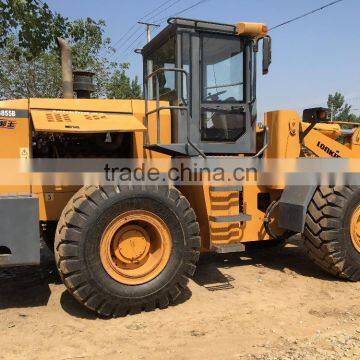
(266, 304)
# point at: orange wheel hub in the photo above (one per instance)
(355, 228)
(135, 247)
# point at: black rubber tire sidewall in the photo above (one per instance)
(96, 275)
(327, 231)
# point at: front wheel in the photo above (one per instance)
(332, 231)
(122, 250)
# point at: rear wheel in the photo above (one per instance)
(332, 231)
(122, 250)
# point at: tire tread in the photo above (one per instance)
(69, 264)
(321, 235)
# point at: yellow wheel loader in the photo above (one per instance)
(126, 248)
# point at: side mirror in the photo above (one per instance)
(266, 54)
(316, 115)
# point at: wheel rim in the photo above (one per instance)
(135, 247)
(355, 228)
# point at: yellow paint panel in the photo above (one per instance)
(51, 205)
(93, 105)
(67, 122)
(284, 133)
(20, 104)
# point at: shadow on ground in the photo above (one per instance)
(210, 272)
(74, 308)
(29, 286)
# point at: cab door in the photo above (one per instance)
(224, 105)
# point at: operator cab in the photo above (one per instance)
(207, 73)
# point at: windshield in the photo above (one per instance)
(223, 69)
(163, 57)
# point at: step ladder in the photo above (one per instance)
(226, 218)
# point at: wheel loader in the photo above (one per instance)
(121, 249)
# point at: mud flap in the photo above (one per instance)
(19, 231)
(293, 206)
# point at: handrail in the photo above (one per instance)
(170, 107)
(157, 71)
(160, 70)
(265, 144)
(167, 108)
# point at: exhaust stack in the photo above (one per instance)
(84, 84)
(66, 69)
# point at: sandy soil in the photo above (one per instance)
(268, 304)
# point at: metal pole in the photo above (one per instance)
(148, 33)
(149, 64)
(149, 27)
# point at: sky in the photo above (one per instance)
(312, 57)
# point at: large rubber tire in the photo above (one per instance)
(77, 245)
(327, 236)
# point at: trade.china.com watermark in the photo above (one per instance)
(178, 174)
(189, 171)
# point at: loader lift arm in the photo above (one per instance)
(322, 140)
(324, 146)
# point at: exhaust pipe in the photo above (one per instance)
(66, 69)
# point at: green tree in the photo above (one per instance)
(341, 111)
(22, 78)
(32, 23)
(27, 73)
(120, 87)
(92, 51)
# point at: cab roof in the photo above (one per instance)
(175, 24)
